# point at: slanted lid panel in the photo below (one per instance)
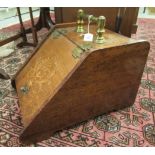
(111, 39)
(42, 75)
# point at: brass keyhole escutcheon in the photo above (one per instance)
(24, 89)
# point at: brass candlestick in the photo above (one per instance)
(100, 30)
(80, 21)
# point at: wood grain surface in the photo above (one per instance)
(64, 91)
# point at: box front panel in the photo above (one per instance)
(42, 75)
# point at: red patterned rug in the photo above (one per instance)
(134, 126)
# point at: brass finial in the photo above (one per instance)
(80, 21)
(100, 29)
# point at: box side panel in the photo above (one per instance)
(107, 80)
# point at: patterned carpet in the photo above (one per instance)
(134, 126)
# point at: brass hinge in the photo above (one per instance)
(77, 52)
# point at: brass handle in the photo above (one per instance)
(80, 21)
(100, 29)
(24, 89)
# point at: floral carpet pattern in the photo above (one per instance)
(133, 126)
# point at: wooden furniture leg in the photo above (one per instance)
(24, 42)
(44, 20)
(144, 10)
(34, 32)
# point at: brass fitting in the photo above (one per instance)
(100, 29)
(100, 25)
(80, 21)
